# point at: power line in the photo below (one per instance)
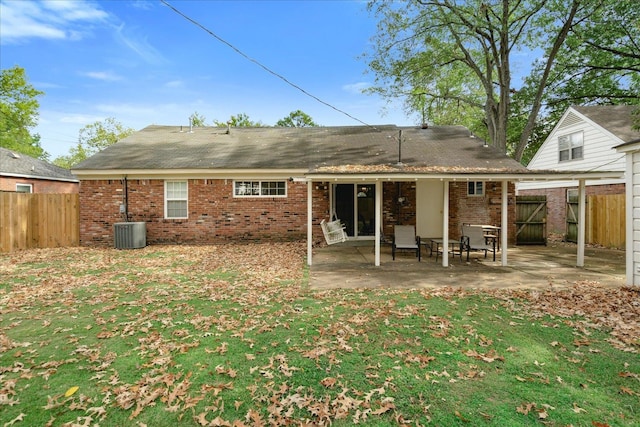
(258, 63)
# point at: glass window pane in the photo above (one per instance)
(564, 155)
(176, 209)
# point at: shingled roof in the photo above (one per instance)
(616, 119)
(341, 149)
(20, 165)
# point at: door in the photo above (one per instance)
(354, 205)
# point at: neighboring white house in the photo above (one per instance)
(631, 150)
(583, 140)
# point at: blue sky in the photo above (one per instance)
(141, 63)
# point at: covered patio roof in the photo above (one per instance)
(400, 172)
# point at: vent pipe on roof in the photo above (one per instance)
(190, 125)
(400, 147)
(229, 127)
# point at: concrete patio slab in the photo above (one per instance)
(351, 265)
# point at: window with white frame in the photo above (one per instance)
(175, 199)
(24, 188)
(260, 188)
(475, 188)
(570, 147)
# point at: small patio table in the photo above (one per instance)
(492, 232)
(454, 245)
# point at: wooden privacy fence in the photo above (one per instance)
(606, 220)
(605, 216)
(38, 221)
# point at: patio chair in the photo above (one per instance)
(404, 238)
(334, 231)
(474, 239)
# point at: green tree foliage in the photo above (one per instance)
(239, 120)
(297, 119)
(452, 60)
(93, 138)
(599, 64)
(197, 119)
(19, 113)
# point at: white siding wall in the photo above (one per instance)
(635, 269)
(598, 153)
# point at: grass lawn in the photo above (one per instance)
(231, 336)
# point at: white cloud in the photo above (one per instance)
(80, 119)
(138, 44)
(174, 84)
(126, 110)
(355, 88)
(22, 20)
(102, 75)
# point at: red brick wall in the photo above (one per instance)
(214, 214)
(557, 202)
(487, 209)
(393, 212)
(38, 185)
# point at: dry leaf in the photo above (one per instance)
(71, 391)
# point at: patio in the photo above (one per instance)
(351, 265)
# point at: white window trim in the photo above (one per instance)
(571, 146)
(167, 199)
(475, 189)
(24, 185)
(260, 182)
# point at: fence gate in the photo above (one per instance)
(531, 220)
(572, 218)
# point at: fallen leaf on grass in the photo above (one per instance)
(328, 382)
(20, 417)
(577, 409)
(525, 408)
(71, 391)
(627, 390)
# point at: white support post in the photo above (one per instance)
(445, 225)
(582, 202)
(629, 206)
(309, 222)
(378, 209)
(504, 222)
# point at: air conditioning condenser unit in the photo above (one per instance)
(130, 235)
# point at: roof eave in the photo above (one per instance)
(507, 176)
(41, 177)
(93, 174)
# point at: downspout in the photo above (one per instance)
(124, 210)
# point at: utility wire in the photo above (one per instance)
(267, 69)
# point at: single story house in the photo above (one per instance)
(24, 174)
(583, 140)
(210, 184)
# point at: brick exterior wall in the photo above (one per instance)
(393, 212)
(485, 209)
(8, 183)
(557, 202)
(216, 216)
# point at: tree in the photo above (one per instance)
(197, 119)
(19, 113)
(239, 120)
(446, 54)
(297, 119)
(93, 138)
